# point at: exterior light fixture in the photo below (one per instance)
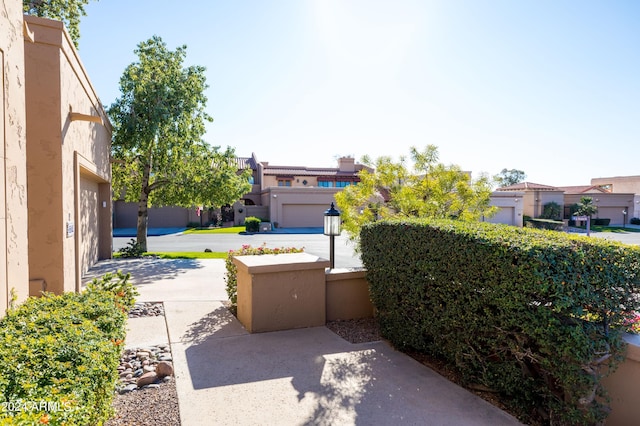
(332, 228)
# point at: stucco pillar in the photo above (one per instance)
(281, 292)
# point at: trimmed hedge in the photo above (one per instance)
(601, 221)
(59, 354)
(549, 224)
(531, 314)
(252, 224)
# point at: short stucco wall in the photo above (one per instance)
(281, 292)
(347, 295)
(295, 290)
(623, 386)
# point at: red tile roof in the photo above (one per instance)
(528, 186)
(582, 189)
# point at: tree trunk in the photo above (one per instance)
(143, 209)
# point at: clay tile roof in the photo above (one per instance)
(528, 186)
(582, 189)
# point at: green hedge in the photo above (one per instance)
(252, 224)
(548, 224)
(59, 355)
(531, 314)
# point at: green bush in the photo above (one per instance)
(551, 210)
(232, 270)
(531, 314)
(252, 224)
(59, 354)
(548, 224)
(600, 221)
(133, 249)
(634, 221)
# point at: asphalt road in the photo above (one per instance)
(316, 244)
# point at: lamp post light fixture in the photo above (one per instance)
(332, 228)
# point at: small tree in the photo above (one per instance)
(427, 189)
(67, 11)
(551, 210)
(586, 208)
(509, 177)
(159, 157)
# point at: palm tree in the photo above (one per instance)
(588, 209)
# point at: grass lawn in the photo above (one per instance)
(182, 255)
(228, 230)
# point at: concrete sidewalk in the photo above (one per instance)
(225, 375)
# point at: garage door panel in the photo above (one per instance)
(613, 213)
(303, 215)
(504, 215)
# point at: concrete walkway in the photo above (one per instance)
(310, 376)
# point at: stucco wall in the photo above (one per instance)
(534, 201)
(298, 207)
(68, 151)
(626, 184)
(13, 175)
(609, 206)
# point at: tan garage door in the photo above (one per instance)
(505, 215)
(613, 213)
(88, 224)
(303, 215)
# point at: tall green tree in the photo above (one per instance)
(67, 11)
(159, 156)
(508, 177)
(424, 188)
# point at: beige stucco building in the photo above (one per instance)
(68, 168)
(14, 265)
(55, 195)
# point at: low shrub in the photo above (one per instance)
(59, 354)
(531, 314)
(601, 221)
(548, 224)
(133, 249)
(635, 221)
(232, 270)
(252, 224)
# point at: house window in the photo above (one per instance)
(284, 183)
(325, 184)
(343, 183)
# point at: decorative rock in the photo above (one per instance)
(164, 369)
(128, 389)
(139, 372)
(146, 379)
(148, 368)
(151, 386)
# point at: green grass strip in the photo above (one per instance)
(228, 230)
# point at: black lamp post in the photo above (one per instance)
(332, 228)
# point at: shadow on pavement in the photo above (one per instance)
(143, 271)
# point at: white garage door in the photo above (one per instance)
(505, 215)
(303, 215)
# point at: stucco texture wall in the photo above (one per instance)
(68, 161)
(13, 177)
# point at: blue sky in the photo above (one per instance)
(549, 87)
